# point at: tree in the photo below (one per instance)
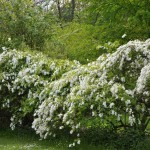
(118, 17)
(24, 22)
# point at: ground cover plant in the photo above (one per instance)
(61, 96)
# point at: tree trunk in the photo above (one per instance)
(73, 9)
(59, 9)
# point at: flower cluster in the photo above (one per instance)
(23, 76)
(66, 95)
(104, 89)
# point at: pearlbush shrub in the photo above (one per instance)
(112, 91)
(23, 76)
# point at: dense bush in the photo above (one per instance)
(114, 89)
(23, 76)
(111, 92)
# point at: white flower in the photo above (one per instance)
(4, 48)
(113, 112)
(141, 82)
(91, 106)
(78, 142)
(130, 92)
(61, 127)
(146, 93)
(28, 59)
(9, 39)
(12, 126)
(131, 120)
(111, 105)
(123, 79)
(78, 125)
(114, 89)
(83, 82)
(128, 102)
(93, 113)
(71, 132)
(60, 115)
(101, 115)
(124, 35)
(118, 117)
(70, 145)
(104, 104)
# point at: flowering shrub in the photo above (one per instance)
(23, 75)
(113, 90)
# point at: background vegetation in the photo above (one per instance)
(62, 56)
(73, 29)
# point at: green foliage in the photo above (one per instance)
(83, 30)
(119, 17)
(29, 73)
(75, 42)
(130, 139)
(110, 93)
(123, 139)
(108, 89)
(24, 22)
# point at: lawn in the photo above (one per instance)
(23, 139)
(26, 139)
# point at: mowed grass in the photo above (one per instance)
(23, 139)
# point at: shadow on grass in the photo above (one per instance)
(26, 139)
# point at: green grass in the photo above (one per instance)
(23, 139)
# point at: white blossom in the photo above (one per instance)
(124, 35)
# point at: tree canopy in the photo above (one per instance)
(40, 25)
